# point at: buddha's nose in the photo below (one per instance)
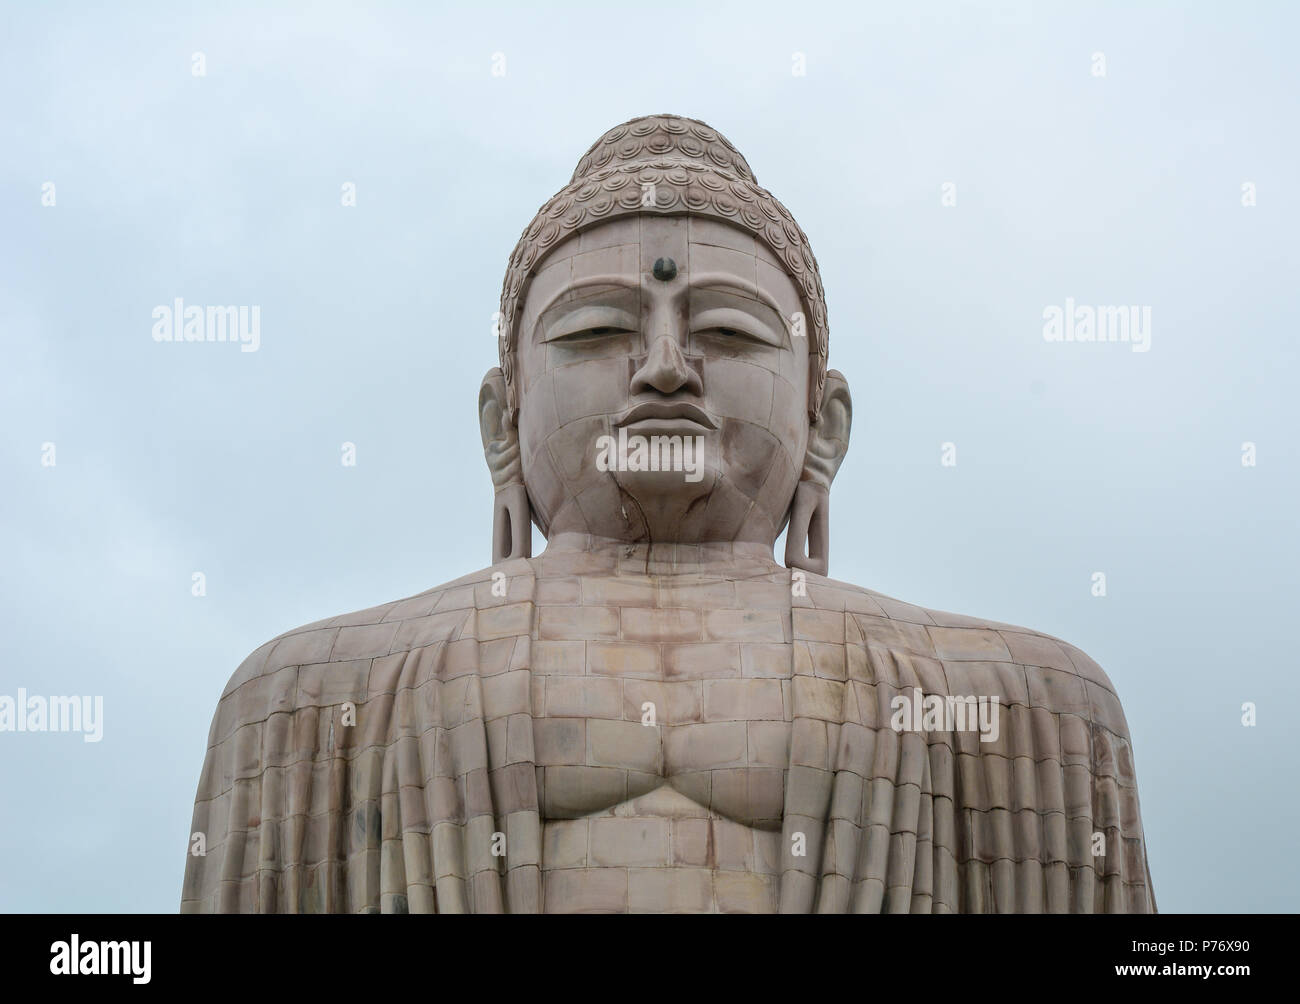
(666, 370)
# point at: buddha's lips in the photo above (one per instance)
(665, 410)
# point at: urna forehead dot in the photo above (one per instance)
(665, 269)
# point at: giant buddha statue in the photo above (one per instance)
(653, 714)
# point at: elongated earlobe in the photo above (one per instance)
(512, 526)
(808, 539)
(810, 528)
(512, 519)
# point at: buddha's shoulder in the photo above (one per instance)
(437, 614)
(1029, 666)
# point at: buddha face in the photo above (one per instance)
(663, 384)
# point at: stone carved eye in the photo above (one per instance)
(731, 324)
(730, 335)
(590, 323)
(590, 334)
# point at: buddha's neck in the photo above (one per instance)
(620, 557)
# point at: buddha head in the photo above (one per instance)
(663, 346)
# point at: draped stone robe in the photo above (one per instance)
(364, 764)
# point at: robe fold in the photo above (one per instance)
(383, 761)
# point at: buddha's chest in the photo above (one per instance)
(636, 687)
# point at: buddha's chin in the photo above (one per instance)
(671, 503)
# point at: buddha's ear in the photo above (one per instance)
(810, 512)
(828, 437)
(512, 532)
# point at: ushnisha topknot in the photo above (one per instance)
(694, 170)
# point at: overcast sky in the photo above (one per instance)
(1072, 459)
